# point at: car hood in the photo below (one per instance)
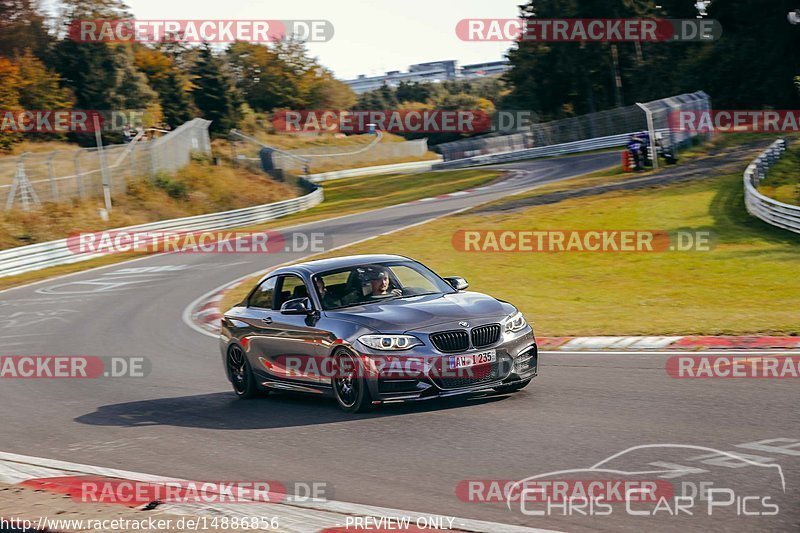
(421, 312)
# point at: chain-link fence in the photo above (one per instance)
(315, 159)
(594, 125)
(326, 158)
(32, 178)
(665, 121)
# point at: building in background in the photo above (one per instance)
(432, 71)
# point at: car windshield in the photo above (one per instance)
(376, 282)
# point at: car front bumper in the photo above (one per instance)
(422, 376)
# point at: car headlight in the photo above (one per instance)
(514, 323)
(389, 342)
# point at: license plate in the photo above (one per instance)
(473, 359)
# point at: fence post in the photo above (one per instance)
(652, 131)
(104, 173)
(78, 176)
(22, 186)
(151, 161)
(12, 191)
(51, 176)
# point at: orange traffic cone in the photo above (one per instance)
(626, 161)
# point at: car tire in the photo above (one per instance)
(506, 389)
(241, 374)
(350, 389)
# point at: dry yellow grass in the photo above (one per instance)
(196, 189)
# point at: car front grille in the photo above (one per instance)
(482, 374)
(450, 341)
(485, 335)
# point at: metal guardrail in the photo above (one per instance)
(587, 145)
(771, 211)
(37, 256)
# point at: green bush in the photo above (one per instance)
(175, 189)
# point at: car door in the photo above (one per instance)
(256, 328)
(297, 344)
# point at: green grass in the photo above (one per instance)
(783, 180)
(747, 284)
(197, 188)
(351, 195)
(379, 191)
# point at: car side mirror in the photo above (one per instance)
(298, 306)
(457, 282)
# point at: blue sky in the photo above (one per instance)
(372, 36)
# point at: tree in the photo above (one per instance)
(413, 92)
(22, 26)
(306, 74)
(284, 76)
(568, 78)
(755, 62)
(264, 79)
(90, 71)
(101, 75)
(10, 83)
(168, 81)
(751, 66)
(94, 10)
(131, 88)
(39, 87)
(214, 94)
(326, 92)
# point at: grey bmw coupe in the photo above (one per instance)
(372, 329)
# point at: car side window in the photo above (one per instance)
(291, 287)
(263, 296)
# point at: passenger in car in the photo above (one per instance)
(325, 296)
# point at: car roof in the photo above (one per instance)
(323, 265)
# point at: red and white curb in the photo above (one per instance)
(636, 344)
(293, 515)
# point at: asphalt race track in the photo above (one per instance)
(183, 420)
